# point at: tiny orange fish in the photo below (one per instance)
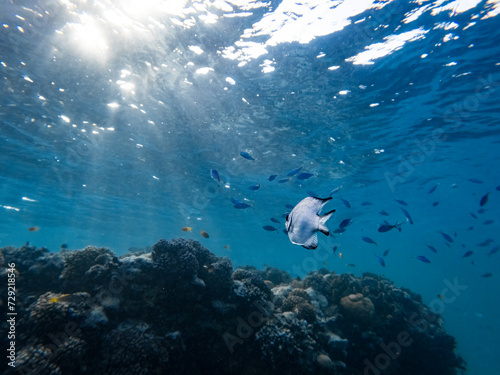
(204, 234)
(186, 229)
(33, 229)
(440, 296)
(227, 247)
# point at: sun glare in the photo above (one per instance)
(88, 37)
(142, 9)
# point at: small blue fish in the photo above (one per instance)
(471, 214)
(433, 189)
(488, 222)
(485, 242)
(275, 220)
(293, 172)
(283, 180)
(407, 214)
(369, 240)
(484, 200)
(288, 205)
(235, 201)
(387, 227)
(246, 155)
(433, 249)
(498, 188)
(386, 252)
(215, 175)
(468, 254)
(269, 228)
(254, 187)
(346, 202)
(487, 274)
(339, 230)
(423, 259)
(272, 177)
(493, 250)
(383, 213)
(335, 248)
(336, 190)
(380, 260)
(312, 194)
(481, 211)
(305, 176)
(402, 202)
(344, 223)
(446, 237)
(475, 180)
(241, 205)
(366, 203)
(435, 204)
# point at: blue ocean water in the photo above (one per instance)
(113, 114)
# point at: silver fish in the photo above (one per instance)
(304, 222)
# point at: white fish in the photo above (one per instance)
(303, 223)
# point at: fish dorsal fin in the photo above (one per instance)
(312, 242)
(318, 203)
(323, 200)
(322, 222)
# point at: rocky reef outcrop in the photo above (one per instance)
(180, 309)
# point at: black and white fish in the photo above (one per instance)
(304, 222)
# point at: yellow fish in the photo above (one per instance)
(60, 298)
(186, 229)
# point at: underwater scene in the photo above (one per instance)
(250, 187)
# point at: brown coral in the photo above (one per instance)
(358, 307)
(306, 311)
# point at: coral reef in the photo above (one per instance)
(179, 309)
(358, 307)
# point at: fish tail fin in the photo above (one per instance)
(322, 223)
